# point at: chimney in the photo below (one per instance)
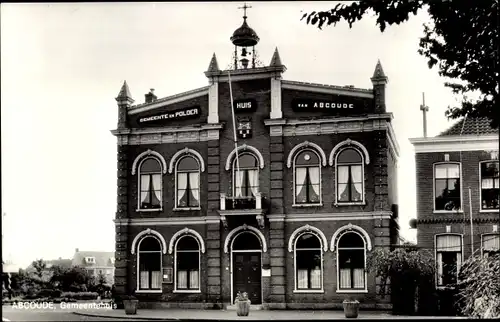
(76, 250)
(150, 97)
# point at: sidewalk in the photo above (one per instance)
(283, 315)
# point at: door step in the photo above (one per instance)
(253, 307)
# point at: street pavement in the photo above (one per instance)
(10, 313)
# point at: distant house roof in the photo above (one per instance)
(473, 126)
(59, 262)
(101, 259)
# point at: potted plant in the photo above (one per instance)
(351, 308)
(130, 304)
(242, 304)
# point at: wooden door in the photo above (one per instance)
(247, 276)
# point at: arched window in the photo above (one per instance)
(351, 258)
(308, 262)
(150, 183)
(350, 178)
(187, 261)
(246, 179)
(188, 182)
(307, 177)
(149, 258)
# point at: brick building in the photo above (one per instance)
(288, 216)
(457, 178)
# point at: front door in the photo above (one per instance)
(247, 276)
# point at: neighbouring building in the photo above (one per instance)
(288, 216)
(457, 178)
(96, 263)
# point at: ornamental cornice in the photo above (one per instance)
(204, 132)
(457, 220)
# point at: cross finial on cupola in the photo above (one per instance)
(245, 7)
(379, 75)
(213, 66)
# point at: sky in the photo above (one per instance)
(62, 65)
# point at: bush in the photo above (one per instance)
(479, 287)
(49, 293)
(80, 295)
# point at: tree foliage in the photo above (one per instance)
(461, 40)
(479, 286)
(407, 269)
(39, 266)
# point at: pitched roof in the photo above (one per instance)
(124, 91)
(276, 59)
(213, 66)
(472, 126)
(379, 71)
(59, 262)
(102, 259)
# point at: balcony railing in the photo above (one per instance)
(241, 203)
(242, 206)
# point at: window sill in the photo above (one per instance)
(305, 205)
(186, 209)
(187, 291)
(489, 210)
(352, 291)
(149, 291)
(445, 287)
(448, 211)
(149, 210)
(309, 291)
(337, 204)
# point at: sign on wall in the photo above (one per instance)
(168, 275)
(169, 116)
(245, 105)
(339, 105)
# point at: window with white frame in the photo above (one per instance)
(187, 254)
(90, 260)
(490, 185)
(307, 177)
(490, 244)
(150, 263)
(351, 258)
(150, 184)
(245, 175)
(350, 181)
(447, 192)
(308, 262)
(448, 258)
(188, 182)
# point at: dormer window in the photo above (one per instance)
(90, 260)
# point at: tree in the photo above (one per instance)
(410, 273)
(39, 265)
(479, 286)
(461, 39)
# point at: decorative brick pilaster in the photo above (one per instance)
(380, 173)
(214, 286)
(277, 245)
(121, 237)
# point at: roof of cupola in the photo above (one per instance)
(245, 36)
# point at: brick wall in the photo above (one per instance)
(431, 223)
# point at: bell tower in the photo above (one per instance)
(244, 40)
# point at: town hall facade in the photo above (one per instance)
(288, 214)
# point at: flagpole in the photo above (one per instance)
(234, 131)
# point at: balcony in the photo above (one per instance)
(242, 206)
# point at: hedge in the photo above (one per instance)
(80, 295)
